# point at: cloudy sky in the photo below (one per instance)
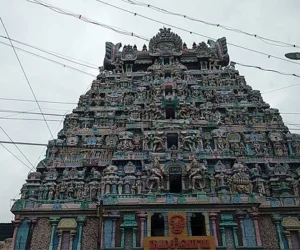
(41, 27)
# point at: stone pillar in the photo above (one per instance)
(207, 227)
(142, 232)
(122, 237)
(166, 231)
(80, 221)
(17, 222)
(213, 218)
(60, 239)
(223, 235)
(113, 238)
(149, 224)
(72, 235)
(241, 217)
(189, 228)
(277, 221)
(236, 242)
(134, 237)
(288, 237)
(142, 216)
(102, 226)
(54, 222)
(256, 227)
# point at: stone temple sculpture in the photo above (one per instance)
(165, 129)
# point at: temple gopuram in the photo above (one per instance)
(169, 149)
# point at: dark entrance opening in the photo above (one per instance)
(170, 113)
(172, 140)
(167, 74)
(168, 89)
(198, 224)
(157, 225)
(175, 180)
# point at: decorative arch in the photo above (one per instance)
(66, 230)
(292, 232)
(175, 164)
(176, 172)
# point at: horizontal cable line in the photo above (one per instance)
(27, 100)
(26, 77)
(286, 87)
(14, 155)
(27, 119)
(72, 60)
(195, 33)
(85, 19)
(50, 60)
(28, 112)
(16, 146)
(263, 39)
(270, 70)
(61, 11)
(24, 143)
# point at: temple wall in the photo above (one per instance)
(22, 235)
(268, 232)
(89, 234)
(41, 235)
(6, 244)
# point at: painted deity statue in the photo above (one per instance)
(197, 173)
(240, 180)
(155, 173)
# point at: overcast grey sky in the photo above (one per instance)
(44, 28)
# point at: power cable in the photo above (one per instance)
(61, 11)
(263, 39)
(26, 100)
(17, 146)
(15, 156)
(88, 20)
(24, 143)
(50, 60)
(195, 33)
(70, 59)
(286, 87)
(31, 89)
(50, 138)
(27, 112)
(28, 119)
(270, 70)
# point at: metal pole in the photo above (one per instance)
(100, 217)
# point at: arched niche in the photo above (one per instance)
(292, 231)
(66, 230)
(176, 173)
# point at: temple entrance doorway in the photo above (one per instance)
(170, 113)
(198, 224)
(175, 180)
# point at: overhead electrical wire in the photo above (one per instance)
(192, 32)
(263, 39)
(286, 87)
(28, 112)
(48, 59)
(28, 119)
(15, 156)
(66, 12)
(88, 20)
(26, 100)
(69, 59)
(16, 146)
(27, 80)
(270, 70)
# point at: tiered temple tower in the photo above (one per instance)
(169, 143)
